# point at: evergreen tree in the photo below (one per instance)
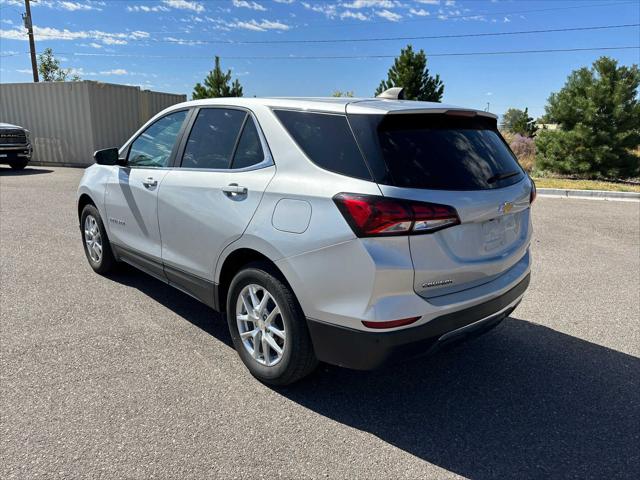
(598, 113)
(518, 121)
(410, 71)
(216, 84)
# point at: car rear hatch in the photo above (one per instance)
(457, 159)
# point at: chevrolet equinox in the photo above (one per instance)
(349, 231)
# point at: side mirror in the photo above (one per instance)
(108, 156)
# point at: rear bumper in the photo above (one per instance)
(364, 350)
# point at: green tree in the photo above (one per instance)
(599, 117)
(518, 121)
(216, 84)
(340, 93)
(410, 71)
(50, 70)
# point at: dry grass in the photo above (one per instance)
(565, 183)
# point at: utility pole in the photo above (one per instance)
(487, 109)
(28, 24)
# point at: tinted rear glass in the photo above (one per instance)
(436, 151)
(327, 140)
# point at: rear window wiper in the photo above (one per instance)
(502, 176)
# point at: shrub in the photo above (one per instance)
(524, 148)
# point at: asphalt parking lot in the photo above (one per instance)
(125, 377)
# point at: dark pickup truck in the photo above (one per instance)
(15, 146)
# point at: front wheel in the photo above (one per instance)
(268, 327)
(96, 243)
(18, 164)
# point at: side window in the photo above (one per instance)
(249, 151)
(327, 140)
(213, 138)
(153, 147)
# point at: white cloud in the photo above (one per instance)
(182, 41)
(288, 2)
(429, 2)
(391, 16)
(146, 9)
(260, 26)
(7, 21)
(421, 12)
(355, 15)
(327, 9)
(450, 3)
(369, 3)
(506, 20)
(48, 33)
(184, 5)
(248, 4)
(115, 71)
(74, 6)
(489, 94)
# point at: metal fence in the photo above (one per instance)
(68, 121)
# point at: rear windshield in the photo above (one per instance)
(436, 151)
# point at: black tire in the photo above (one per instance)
(18, 164)
(298, 358)
(106, 261)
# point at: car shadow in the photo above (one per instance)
(522, 401)
(180, 303)
(8, 172)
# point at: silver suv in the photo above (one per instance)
(349, 231)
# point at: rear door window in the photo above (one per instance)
(436, 151)
(327, 140)
(213, 138)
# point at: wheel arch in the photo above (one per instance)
(84, 200)
(233, 263)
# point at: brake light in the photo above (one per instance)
(534, 193)
(371, 215)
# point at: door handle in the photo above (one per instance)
(150, 182)
(234, 189)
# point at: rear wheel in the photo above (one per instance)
(268, 327)
(96, 243)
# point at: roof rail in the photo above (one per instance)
(395, 93)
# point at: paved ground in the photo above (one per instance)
(128, 378)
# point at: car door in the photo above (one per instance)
(208, 200)
(131, 195)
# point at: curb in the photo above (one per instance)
(590, 194)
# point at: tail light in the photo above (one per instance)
(534, 193)
(371, 215)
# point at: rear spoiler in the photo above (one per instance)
(454, 112)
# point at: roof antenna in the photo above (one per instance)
(395, 93)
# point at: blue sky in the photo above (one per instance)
(168, 45)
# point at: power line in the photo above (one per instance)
(344, 57)
(386, 39)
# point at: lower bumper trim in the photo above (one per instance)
(362, 350)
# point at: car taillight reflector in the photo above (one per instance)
(390, 323)
(372, 215)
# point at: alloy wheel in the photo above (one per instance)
(260, 325)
